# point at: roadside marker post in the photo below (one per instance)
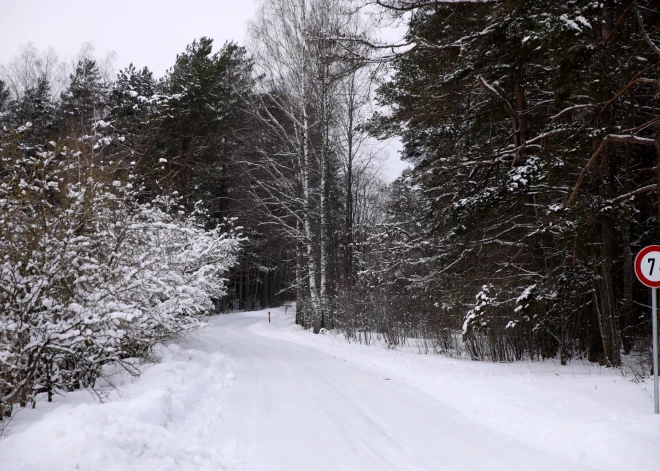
(269, 317)
(647, 269)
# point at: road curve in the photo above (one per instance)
(294, 408)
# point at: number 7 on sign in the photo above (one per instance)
(645, 266)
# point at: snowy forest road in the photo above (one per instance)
(292, 408)
(246, 395)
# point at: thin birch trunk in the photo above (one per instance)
(307, 164)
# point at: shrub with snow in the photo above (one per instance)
(90, 275)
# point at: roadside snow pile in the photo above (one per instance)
(586, 414)
(151, 423)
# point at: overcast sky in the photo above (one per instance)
(146, 32)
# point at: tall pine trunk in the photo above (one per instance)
(608, 310)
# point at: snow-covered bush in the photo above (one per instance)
(476, 318)
(90, 274)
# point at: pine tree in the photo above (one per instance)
(84, 102)
(132, 101)
(36, 107)
(203, 123)
(500, 105)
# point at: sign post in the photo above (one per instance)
(647, 269)
(654, 296)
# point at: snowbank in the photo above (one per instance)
(584, 413)
(151, 423)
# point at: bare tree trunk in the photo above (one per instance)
(608, 309)
(628, 275)
(300, 318)
(311, 265)
(521, 108)
(307, 165)
(607, 312)
(325, 223)
(657, 147)
(348, 263)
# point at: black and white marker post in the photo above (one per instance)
(647, 269)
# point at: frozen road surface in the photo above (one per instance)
(246, 395)
(296, 408)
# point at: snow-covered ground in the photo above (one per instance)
(248, 395)
(591, 416)
(151, 423)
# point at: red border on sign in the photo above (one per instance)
(638, 266)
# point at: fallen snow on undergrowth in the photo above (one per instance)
(584, 413)
(148, 423)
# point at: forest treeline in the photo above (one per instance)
(532, 130)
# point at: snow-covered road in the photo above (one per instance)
(296, 408)
(247, 395)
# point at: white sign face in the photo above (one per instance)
(651, 266)
(647, 266)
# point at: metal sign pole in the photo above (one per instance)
(647, 269)
(654, 303)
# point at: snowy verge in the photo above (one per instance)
(148, 423)
(589, 415)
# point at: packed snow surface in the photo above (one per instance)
(249, 395)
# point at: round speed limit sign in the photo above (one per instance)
(647, 266)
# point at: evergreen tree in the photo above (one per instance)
(500, 105)
(203, 124)
(84, 102)
(36, 107)
(133, 100)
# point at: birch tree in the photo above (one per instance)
(304, 66)
(281, 46)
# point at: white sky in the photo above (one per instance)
(146, 32)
